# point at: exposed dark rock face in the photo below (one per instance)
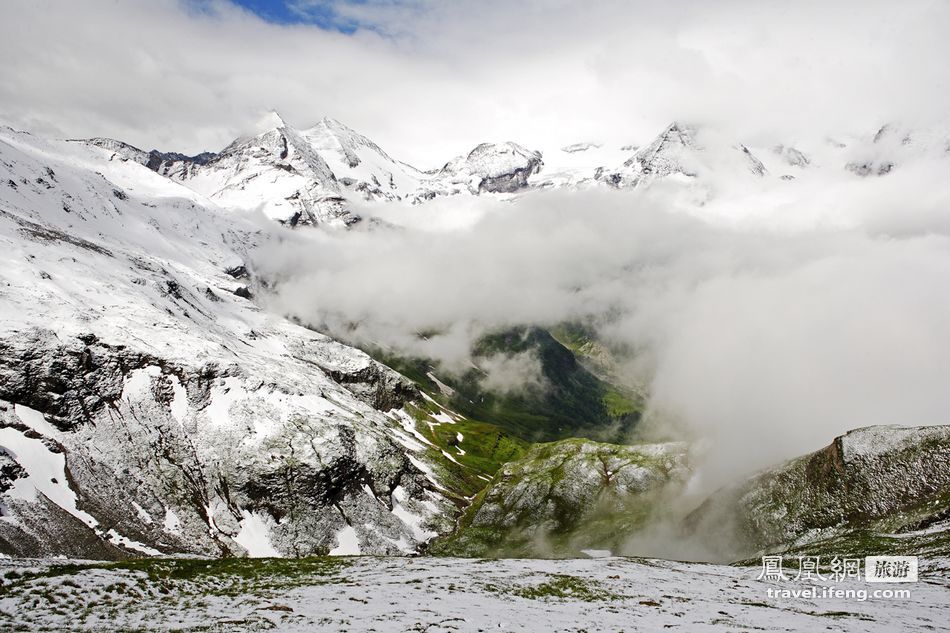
(157, 161)
(238, 272)
(71, 383)
(870, 168)
(10, 471)
(162, 457)
(377, 386)
(164, 161)
(370, 381)
(47, 530)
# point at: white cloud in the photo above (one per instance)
(512, 373)
(765, 330)
(429, 80)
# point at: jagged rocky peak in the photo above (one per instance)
(890, 133)
(669, 154)
(277, 171)
(678, 152)
(792, 155)
(156, 160)
(579, 147)
(755, 166)
(271, 120)
(880, 156)
(494, 167)
(659, 157)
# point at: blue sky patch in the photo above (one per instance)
(317, 13)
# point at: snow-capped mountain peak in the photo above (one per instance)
(686, 152)
(493, 167)
(270, 121)
(278, 172)
(360, 164)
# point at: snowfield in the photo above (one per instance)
(432, 594)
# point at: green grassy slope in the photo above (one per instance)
(572, 402)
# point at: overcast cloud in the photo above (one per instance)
(763, 333)
(429, 79)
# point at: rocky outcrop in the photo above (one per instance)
(565, 497)
(876, 480)
(370, 381)
(870, 168)
(489, 168)
(791, 156)
(158, 161)
(160, 457)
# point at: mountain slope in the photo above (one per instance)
(678, 153)
(148, 406)
(877, 489)
(562, 498)
(360, 165)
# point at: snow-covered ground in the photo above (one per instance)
(439, 594)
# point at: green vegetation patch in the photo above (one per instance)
(219, 576)
(571, 401)
(564, 497)
(561, 587)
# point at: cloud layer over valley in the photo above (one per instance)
(764, 327)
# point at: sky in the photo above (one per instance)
(428, 80)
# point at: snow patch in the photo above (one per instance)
(35, 420)
(598, 553)
(46, 473)
(444, 389)
(143, 515)
(127, 543)
(255, 535)
(138, 382)
(348, 542)
(172, 523)
(179, 404)
(223, 396)
(414, 521)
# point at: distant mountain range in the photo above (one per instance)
(311, 176)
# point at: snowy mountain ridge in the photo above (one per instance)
(317, 175)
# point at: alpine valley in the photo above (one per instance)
(156, 413)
